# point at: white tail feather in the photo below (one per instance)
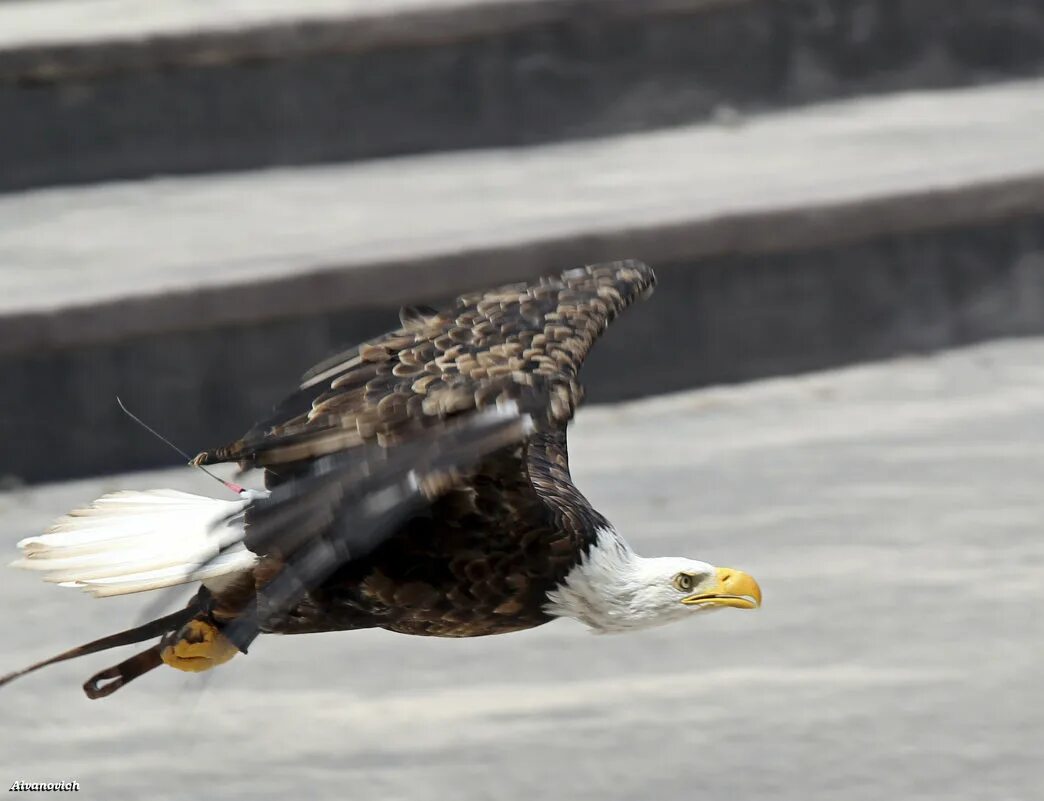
(135, 541)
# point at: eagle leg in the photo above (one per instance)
(197, 646)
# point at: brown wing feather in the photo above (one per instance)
(521, 341)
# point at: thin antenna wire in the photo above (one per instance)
(232, 486)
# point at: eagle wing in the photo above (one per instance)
(375, 434)
(518, 342)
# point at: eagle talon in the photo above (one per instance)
(198, 646)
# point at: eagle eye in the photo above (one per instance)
(683, 582)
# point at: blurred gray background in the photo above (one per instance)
(199, 200)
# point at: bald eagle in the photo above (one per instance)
(418, 483)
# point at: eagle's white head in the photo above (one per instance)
(613, 589)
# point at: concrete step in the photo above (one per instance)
(793, 241)
(102, 89)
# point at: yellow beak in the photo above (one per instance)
(734, 588)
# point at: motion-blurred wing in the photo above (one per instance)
(352, 501)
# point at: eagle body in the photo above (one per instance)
(418, 483)
(481, 560)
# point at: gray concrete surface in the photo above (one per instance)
(126, 259)
(892, 512)
(94, 90)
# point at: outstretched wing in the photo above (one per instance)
(378, 433)
(519, 342)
